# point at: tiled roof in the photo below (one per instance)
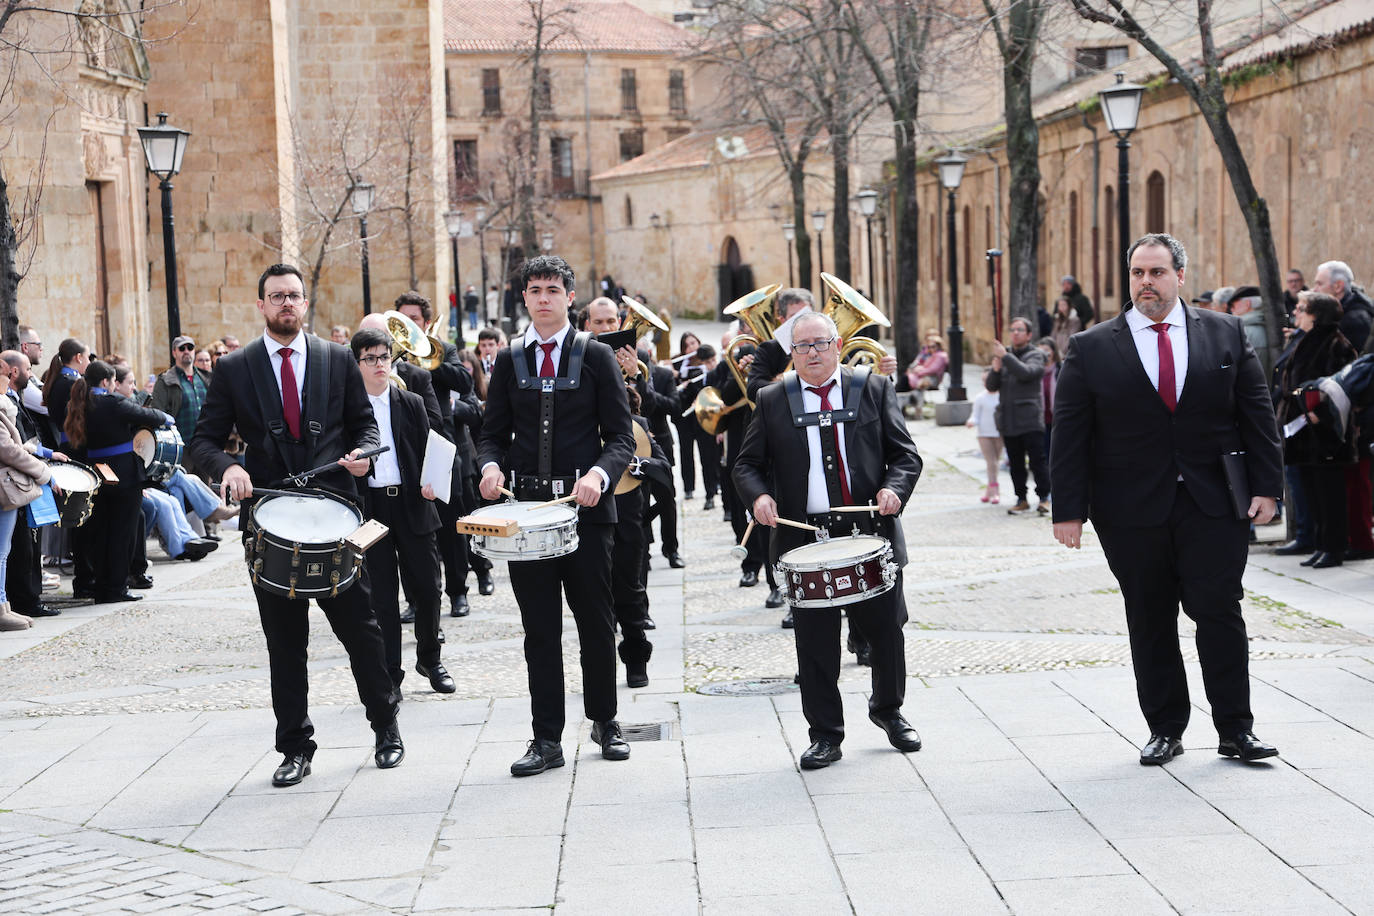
(590, 25)
(699, 149)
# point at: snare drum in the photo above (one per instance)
(543, 533)
(296, 544)
(838, 571)
(78, 484)
(160, 450)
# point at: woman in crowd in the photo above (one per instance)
(66, 367)
(688, 429)
(1319, 455)
(204, 361)
(1066, 324)
(1049, 383)
(16, 458)
(930, 366)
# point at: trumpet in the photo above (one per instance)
(851, 312)
(409, 342)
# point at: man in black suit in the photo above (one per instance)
(555, 398)
(299, 401)
(1147, 405)
(733, 427)
(396, 499)
(659, 403)
(830, 436)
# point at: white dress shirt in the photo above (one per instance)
(817, 495)
(1147, 344)
(297, 348)
(386, 470)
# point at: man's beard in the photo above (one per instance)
(279, 326)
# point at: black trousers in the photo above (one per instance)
(138, 549)
(286, 626)
(23, 575)
(1029, 445)
(628, 575)
(108, 537)
(1196, 560)
(416, 558)
(1324, 488)
(880, 621)
(757, 546)
(539, 585)
(663, 506)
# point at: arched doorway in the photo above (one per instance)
(734, 278)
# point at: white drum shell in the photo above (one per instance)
(544, 533)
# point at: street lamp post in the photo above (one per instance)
(480, 215)
(868, 205)
(818, 223)
(951, 167)
(453, 222)
(1121, 108)
(508, 235)
(163, 147)
(789, 232)
(361, 199)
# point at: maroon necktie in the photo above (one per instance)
(824, 395)
(1167, 389)
(546, 369)
(290, 397)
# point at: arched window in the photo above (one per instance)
(1073, 233)
(1109, 222)
(968, 242)
(1154, 203)
(629, 212)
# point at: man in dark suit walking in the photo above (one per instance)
(830, 436)
(299, 401)
(1147, 406)
(558, 423)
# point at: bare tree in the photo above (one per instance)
(549, 21)
(1208, 92)
(406, 148)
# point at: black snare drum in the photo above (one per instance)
(296, 544)
(78, 484)
(160, 450)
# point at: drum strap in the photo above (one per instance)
(269, 402)
(316, 393)
(521, 360)
(824, 419)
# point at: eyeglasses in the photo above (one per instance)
(373, 359)
(185, 347)
(36, 344)
(283, 298)
(819, 346)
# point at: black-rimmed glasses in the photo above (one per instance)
(819, 346)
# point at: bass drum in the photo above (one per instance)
(296, 548)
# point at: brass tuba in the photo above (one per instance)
(413, 344)
(710, 408)
(851, 312)
(640, 320)
(756, 311)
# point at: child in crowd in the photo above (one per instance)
(983, 421)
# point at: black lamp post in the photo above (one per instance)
(508, 235)
(818, 223)
(951, 167)
(1121, 108)
(868, 205)
(163, 147)
(453, 222)
(480, 215)
(789, 233)
(361, 199)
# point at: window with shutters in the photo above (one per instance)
(1154, 203)
(464, 168)
(1094, 60)
(631, 144)
(561, 165)
(491, 91)
(629, 96)
(677, 93)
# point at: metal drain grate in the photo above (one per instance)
(653, 731)
(756, 687)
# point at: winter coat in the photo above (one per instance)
(1322, 351)
(1020, 406)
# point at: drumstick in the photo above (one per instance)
(869, 508)
(739, 551)
(802, 525)
(553, 502)
(504, 492)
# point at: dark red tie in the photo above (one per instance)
(824, 395)
(290, 397)
(1167, 387)
(546, 369)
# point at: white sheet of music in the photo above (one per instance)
(438, 467)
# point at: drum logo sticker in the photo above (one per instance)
(843, 582)
(314, 569)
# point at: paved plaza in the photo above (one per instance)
(136, 763)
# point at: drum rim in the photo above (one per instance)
(325, 546)
(76, 466)
(840, 600)
(816, 565)
(306, 591)
(524, 505)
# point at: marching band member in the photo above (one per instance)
(296, 400)
(660, 405)
(396, 499)
(831, 436)
(553, 399)
(734, 425)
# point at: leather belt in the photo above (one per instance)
(842, 524)
(385, 491)
(537, 487)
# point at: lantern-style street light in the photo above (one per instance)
(163, 147)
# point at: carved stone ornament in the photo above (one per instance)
(93, 150)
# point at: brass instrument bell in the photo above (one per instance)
(852, 312)
(643, 449)
(412, 343)
(640, 320)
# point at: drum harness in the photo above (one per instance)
(545, 483)
(825, 420)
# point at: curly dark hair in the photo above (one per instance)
(547, 267)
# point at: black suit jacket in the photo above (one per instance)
(1117, 451)
(770, 360)
(344, 415)
(410, 430)
(111, 420)
(418, 382)
(775, 459)
(591, 423)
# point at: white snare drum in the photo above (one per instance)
(297, 546)
(838, 571)
(78, 484)
(543, 533)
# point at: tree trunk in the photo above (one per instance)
(907, 244)
(1023, 156)
(839, 150)
(9, 275)
(409, 215)
(796, 175)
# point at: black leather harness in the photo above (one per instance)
(826, 420)
(525, 380)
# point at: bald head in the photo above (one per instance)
(373, 320)
(16, 369)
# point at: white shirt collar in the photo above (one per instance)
(297, 343)
(1139, 321)
(532, 336)
(834, 378)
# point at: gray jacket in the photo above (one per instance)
(1020, 407)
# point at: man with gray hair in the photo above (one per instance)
(773, 355)
(1337, 280)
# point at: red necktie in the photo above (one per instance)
(546, 369)
(824, 395)
(1167, 388)
(290, 397)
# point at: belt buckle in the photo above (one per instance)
(556, 484)
(393, 491)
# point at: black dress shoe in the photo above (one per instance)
(863, 652)
(1160, 749)
(408, 615)
(787, 621)
(1328, 560)
(1350, 556)
(1313, 559)
(709, 504)
(116, 597)
(900, 734)
(749, 579)
(144, 581)
(725, 517)
(1293, 548)
(83, 593)
(458, 606)
(294, 768)
(390, 750)
(636, 658)
(675, 560)
(486, 585)
(440, 636)
(1245, 746)
(197, 549)
(820, 755)
(649, 623)
(775, 600)
(438, 676)
(540, 756)
(613, 745)
(39, 610)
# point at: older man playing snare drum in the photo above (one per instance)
(825, 439)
